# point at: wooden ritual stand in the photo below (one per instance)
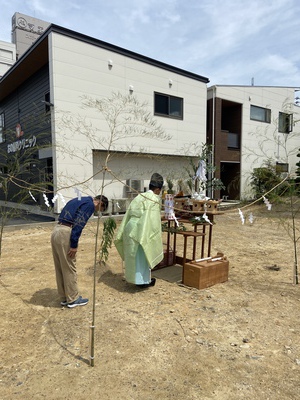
(194, 233)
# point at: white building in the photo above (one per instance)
(7, 56)
(245, 124)
(50, 80)
(249, 125)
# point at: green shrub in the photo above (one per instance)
(264, 179)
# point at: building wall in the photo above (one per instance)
(7, 56)
(78, 68)
(27, 126)
(140, 168)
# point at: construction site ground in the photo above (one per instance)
(234, 340)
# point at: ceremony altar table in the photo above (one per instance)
(193, 233)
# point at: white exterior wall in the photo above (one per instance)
(7, 56)
(78, 69)
(259, 139)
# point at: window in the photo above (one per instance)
(2, 126)
(285, 122)
(282, 167)
(260, 114)
(169, 106)
(233, 141)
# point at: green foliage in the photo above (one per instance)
(170, 186)
(109, 227)
(172, 229)
(264, 179)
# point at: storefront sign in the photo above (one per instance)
(21, 144)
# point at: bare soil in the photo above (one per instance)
(234, 340)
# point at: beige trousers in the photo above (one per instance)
(65, 267)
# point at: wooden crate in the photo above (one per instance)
(179, 203)
(199, 205)
(212, 205)
(204, 274)
(206, 205)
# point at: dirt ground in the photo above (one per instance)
(234, 340)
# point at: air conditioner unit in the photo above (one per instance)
(134, 187)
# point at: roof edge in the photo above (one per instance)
(116, 49)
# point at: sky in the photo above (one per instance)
(230, 42)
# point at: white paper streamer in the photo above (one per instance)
(54, 198)
(241, 216)
(62, 198)
(32, 196)
(174, 218)
(205, 217)
(201, 171)
(251, 218)
(267, 203)
(46, 200)
(78, 193)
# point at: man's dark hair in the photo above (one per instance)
(152, 187)
(104, 200)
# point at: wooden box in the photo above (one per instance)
(199, 205)
(205, 273)
(206, 205)
(179, 203)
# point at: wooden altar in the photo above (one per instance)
(199, 234)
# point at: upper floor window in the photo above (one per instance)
(2, 127)
(260, 114)
(169, 106)
(285, 122)
(233, 141)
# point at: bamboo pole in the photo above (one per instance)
(92, 326)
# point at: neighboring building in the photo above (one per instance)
(48, 82)
(247, 126)
(25, 31)
(7, 56)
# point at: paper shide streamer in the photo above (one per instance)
(31, 195)
(46, 200)
(59, 195)
(54, 198)
(241, 216)
(267, 203)
(78, 193)
(205, 217)
(251, 218)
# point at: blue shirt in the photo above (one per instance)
(77, 213)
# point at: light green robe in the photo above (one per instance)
(139, 238)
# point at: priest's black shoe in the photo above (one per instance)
(146, 285)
